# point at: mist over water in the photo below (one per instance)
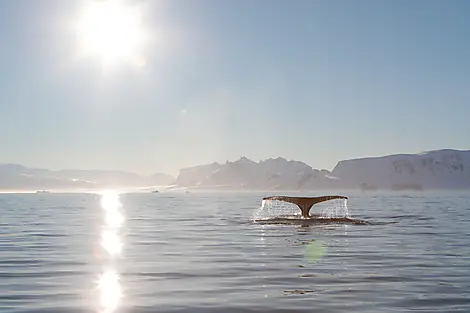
(201, 252)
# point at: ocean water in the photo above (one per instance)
(201, 252)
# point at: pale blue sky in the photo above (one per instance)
(316, 81)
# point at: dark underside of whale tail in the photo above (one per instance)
(304, 203)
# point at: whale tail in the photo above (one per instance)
(304, 203)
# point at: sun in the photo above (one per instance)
(111, 31)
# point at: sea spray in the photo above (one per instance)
(333, 209)
(273, 208)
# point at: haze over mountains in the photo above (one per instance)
(440, 169)
(18, 177)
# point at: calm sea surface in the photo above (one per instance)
(200, 252)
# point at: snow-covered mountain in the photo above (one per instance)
(244, 173)
(440, 169)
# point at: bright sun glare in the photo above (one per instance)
(111, 31)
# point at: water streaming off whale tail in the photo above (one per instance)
(269, 209)
(333, 209)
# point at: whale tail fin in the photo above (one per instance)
(304, 203)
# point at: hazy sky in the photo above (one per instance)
(316, 81)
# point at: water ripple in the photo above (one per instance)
(139, 253)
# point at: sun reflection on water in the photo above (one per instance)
(110, 293)
(110, 242)
(110, 201)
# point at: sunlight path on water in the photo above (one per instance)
(108, 285)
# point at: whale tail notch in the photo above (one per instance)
(304, 203)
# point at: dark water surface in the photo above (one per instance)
(201, 252)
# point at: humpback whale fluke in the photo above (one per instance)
(304, 203)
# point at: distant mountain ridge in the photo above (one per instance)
(438, 169)
(276, 174)
(244, 173)
(19, 177)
